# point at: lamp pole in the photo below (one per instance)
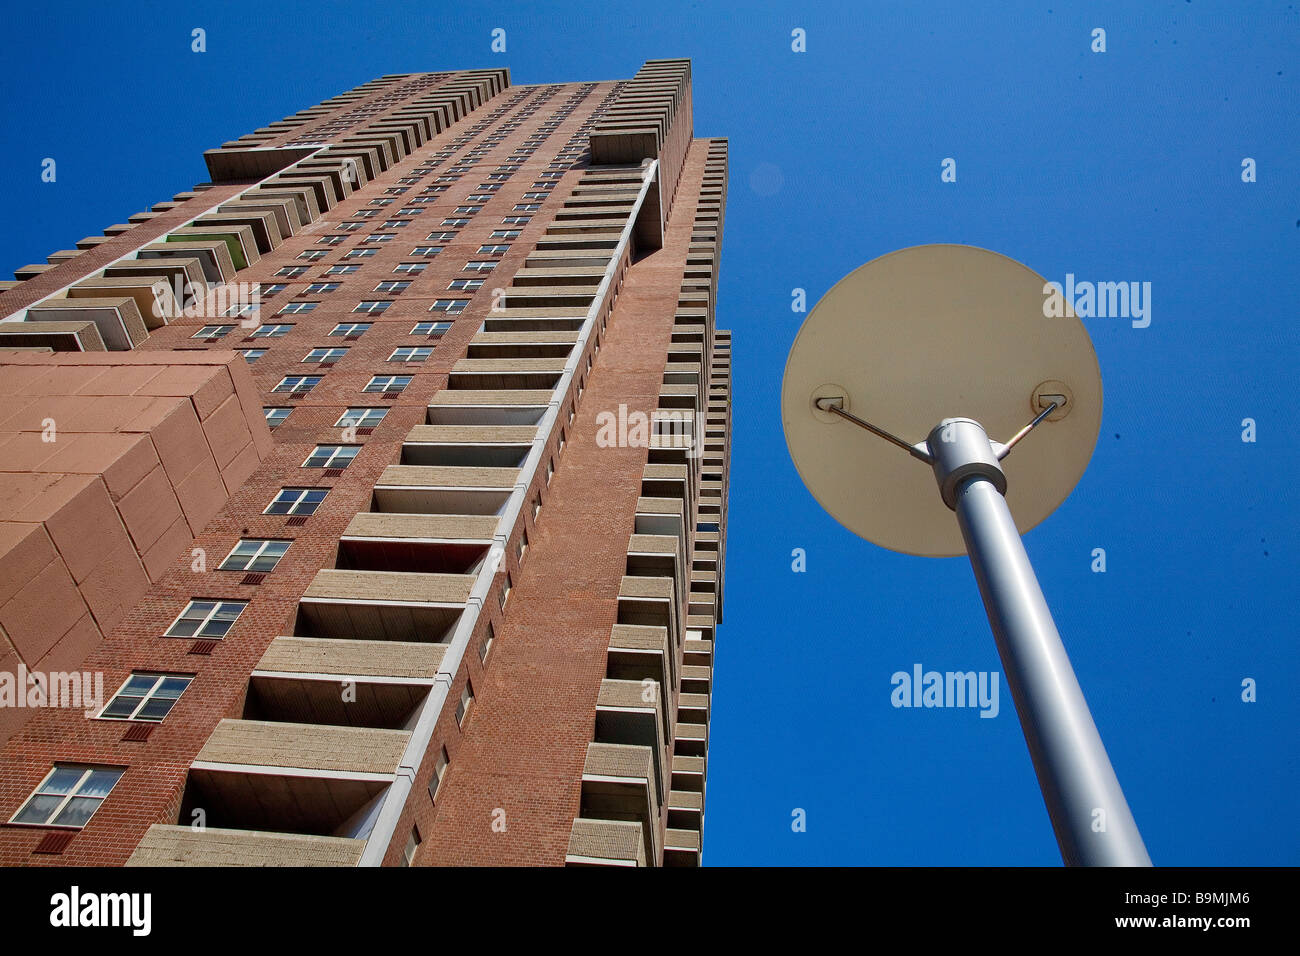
(1091, 818)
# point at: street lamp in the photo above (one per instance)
(952, 342)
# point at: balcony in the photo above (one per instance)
(213, 255)
(352, 700)
(169, 845)
(467, 407)
(265, 231)
(70, 336)
(383, 605)
(649, 602)
(619, 783)
(605, 843)
(536, 373)
(411, 489)
(468, 446)
(638, 653)
(152, 295)
(429, 543)
(507, 345)
(681, 847)
(685, 810)
(342, 658)
(293, 777)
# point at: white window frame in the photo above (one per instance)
(263, 547)
(148, 696)
(217, 605)
(338, 452)
(298, 500)
(362, 416)
(68, 797)
(392, 385)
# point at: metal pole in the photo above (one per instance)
(1092, 820)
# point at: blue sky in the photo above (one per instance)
(1123, 165)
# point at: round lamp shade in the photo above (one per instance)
(920, 335)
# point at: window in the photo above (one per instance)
(351, 226)
(372, 305)
(330, 240)
(493, 250)
(485, 645)
(275, 414)
(505, 590)
(255, 554)
(455, 222)
(441, 236)
(320, 287)
(331, 456)
(325, 355)
(379, 237)
(426, 251)
(411, 267)
(362, 417)
(271, 331)
(297, 384)
(270, 288)
(380, 202)
(466, 211)
(387, 383)
(477, 197)
(251, 355)
(469, 285)
(440, 764)
(367, 213)
(342, 270)
(296, 501)
(69, 795)
(213, 331)
(293, 308)
(393, 286)
(504, 234)
(412, 844)
(359, 253)
(350, 328)
(410, 211)
(449, 305)
(430, 328)
(480, 265)
(291, 272)
(146, 696)
(462, 708)
(396, 224)
(208, 620)
(528, 207)
(517, 220)
(536, 196)
(522, 549)
(244, 308)
(410, 354)
(311, 255)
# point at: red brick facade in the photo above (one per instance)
(522, 742)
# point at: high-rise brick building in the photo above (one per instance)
(458, 604)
